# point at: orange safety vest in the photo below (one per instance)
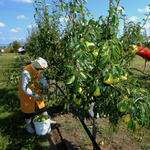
(28, 103)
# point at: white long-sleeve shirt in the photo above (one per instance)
(25, 80)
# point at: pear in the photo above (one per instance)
(95, 53)
(116, 81)
(97, 92)
(102, 114)
(110, 80)
(80, 90)
(127, 118)
(89, 44)
(123, 78)
(137, 125)
(121, 109)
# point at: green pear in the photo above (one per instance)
(110, 80)
(97, 92)
(137, 125)
(80, 90)
(95, 52)
(127, 118)
(88, 44)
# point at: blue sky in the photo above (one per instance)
(17, 16)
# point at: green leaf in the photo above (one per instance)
(111, 130)
(72, 45)
(129, 124)
(89, 75)
(85, 1)
(35, 15)
(62, 7)
(76, 54)
(38, 2)
(91, 21)
(33, 91)
(46, 5)
(83, 75)
(105, 72)
(71, 79)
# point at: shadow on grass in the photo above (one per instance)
(12, 126)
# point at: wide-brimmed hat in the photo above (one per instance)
(40, 63)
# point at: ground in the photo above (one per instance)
(69, 134)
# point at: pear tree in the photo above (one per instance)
(92, 61)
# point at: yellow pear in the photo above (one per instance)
(95, 53)
(97, 92)
(127, 118)
(89, 44)
(110, 80)
(116, 81)
(126, 75)
(80, 90)
(123, 78)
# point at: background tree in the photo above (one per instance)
(16, 45)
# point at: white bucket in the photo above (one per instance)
(42, 128)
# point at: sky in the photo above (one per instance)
(17, 16)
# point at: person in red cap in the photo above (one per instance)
(27, 98)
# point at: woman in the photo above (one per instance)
(28, 99)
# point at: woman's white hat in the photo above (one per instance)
(40, 63)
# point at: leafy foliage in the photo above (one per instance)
(70, 52)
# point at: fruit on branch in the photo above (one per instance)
(104, 50)
(80, 90)
(88, 44)
(97, 92)
(121, 108)
(102, 114)
(127, 118)
(123, 78)
(137, 126)
(95, 52)
(78, 101)
(111, 80)
(116, 81)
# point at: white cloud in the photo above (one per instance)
(21, 17)
(120, 8)
(23, 1)
(4, 39)
(64, 19)
(13, 38)
(140, 10)
(0, 32)
(32, 26)
(147, 26)
(19, 28)
(13, 30)
(147, 9)
(133, 18)
(2, 24)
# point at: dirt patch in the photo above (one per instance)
(69, 134)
